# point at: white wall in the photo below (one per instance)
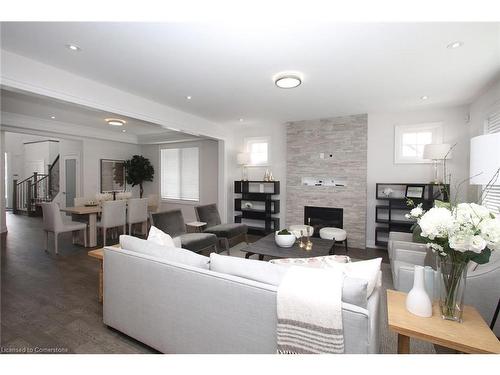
(381, 166)
(277, 165)
(93, 151)
(3, 226)
(209, 175)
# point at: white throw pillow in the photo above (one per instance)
(368, 270)
(160, 237)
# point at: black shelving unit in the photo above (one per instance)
(251, 192)
(390, 213)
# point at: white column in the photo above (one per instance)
(3, 224)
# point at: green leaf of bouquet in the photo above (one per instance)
(417, 235)
(481, 258)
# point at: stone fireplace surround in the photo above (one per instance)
(345, 138)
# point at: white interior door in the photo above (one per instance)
(70, 179)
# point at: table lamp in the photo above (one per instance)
(437, 153)
(242, 159)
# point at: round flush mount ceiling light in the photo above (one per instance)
(424, 97)
(287, 80)
(73, 47)
(455, 44)
(115, 122)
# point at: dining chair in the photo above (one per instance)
(53, 222)
(137, 212)
(113, 215)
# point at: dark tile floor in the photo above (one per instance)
(49, 303)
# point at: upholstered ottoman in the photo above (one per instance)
(334, 234)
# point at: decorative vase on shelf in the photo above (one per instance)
(418, 301)
(452, 274)
(266, 175)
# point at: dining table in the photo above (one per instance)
(89, 215)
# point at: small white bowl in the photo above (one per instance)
(284, 240)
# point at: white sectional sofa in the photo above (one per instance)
(177, 301)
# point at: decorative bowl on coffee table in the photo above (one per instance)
(284, 240)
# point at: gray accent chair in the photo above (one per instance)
(482, 284)
(172, 222)
(225, 233)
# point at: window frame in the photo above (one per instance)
(250, 140)
(494, 111)
(399, 130)
(179, 200)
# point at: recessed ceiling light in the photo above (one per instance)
(456, 44)
(287, 80)
(425, 97)
(115, 122)
(124, 131)
(189, 97)
(241, 120)
(52, 117)
(73, 47)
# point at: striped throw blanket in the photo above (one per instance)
(310, 311)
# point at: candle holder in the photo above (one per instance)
(301, 243)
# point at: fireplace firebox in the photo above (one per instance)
(320, 217)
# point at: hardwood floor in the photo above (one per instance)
(49, 303)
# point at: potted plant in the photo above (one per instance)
(139, 170)
(284, 238)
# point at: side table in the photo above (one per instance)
(195, 226)
(471, 336)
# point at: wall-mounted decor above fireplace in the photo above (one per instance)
(324, 181)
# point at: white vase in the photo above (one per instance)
(418, 301)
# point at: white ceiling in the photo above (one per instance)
(348, 68)
(43, 108)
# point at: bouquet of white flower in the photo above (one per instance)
(457, 234)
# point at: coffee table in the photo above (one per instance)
(267, 247)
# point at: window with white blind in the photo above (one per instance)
(491, 198)
(180, 173)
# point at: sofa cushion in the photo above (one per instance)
(354, 290)
(227, 230)
(162, 252)
(197, 241)
(367, 270)
(256, 270)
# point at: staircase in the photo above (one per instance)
(29, 193)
